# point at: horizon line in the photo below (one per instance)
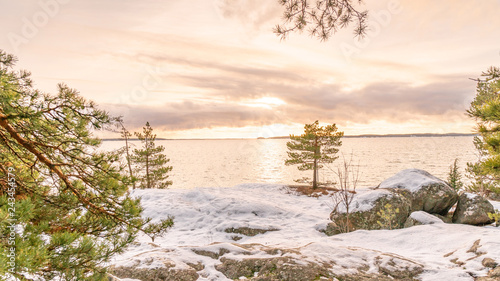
(345, 136)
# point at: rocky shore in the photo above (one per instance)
(413, 226)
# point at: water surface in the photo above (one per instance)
(219, 163)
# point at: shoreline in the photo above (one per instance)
(423, 135)
(246, 230)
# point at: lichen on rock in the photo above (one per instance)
(473, 209)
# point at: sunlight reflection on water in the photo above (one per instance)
(210, 163)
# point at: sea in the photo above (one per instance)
(229, 162)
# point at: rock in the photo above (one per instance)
(331, 229)
(473, 209)
(420, 218)
(489, 262)
(492, 195)
(289, 269)
(445, 219)
(367, 210)
(112, 278)
(213, 255)
(277, 268)
(484, 278)
(475, 247)
(494, 273)
(248, 231)
(153, 274)
(425, 192)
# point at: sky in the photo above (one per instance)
(215, 69)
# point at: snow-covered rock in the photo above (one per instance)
(496, 204)
(420, 218)
(198, 241)
(366, 211)
(473, 209)
(426, 192)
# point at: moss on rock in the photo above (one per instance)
(155, 274)
(248, 231)
(272, 269)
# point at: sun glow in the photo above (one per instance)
(265, 102)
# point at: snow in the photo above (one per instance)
(202, 215)
(496, 204)
(471, 196)
(425, 218)
(411, 179)
(363, 202)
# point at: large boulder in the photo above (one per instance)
(420, 218)
(473, 209)
(374, 209)
(425, 192)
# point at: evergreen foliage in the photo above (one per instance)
(64, 205)
(495, 217)
(151, 169)
(454, 176)
(317, 145)
(325, 17)
(485, 109)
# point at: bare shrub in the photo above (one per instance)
(347, 175)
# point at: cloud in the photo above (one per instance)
(298, 87)
(384, 97)
(395, 102)
(251, 13)
(214, 68)
(224, 87)
(191, 115)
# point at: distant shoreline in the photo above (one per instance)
(349, 136)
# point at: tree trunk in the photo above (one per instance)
(315, 168)
(54, 167)
(315, 184)
(128, 157)
(148, 184)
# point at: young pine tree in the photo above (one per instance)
(316, 146)
(64, 204)
(485, 109)
(454, 177)
(152, 171)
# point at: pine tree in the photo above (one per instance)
(485, 109)
(454, 177)
(317, 145)
(150, 162)
(64, 205)
(324, 17)
(125, 135)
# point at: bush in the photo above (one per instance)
(496, 217)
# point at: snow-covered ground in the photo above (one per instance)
(203, 214)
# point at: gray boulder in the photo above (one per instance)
(425, 192)
(472, 209)
(374, 209)
(421, 218)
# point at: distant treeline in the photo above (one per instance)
(354, 136)
(398, 136)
